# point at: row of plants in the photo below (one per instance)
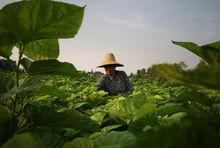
(46, 103)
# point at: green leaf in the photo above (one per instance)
(210, 52)
(79, 143)
(5, 51)
(99, 117)
(144, 110)
(4, 114)
(25, 140)
(171, 108)
(27, 21)
(42, 49)
(115, 140)
(203, 76)
(51, 67)
(192, 95)
(111, 127)
(28, 85)
(51, 91)
(26, 63)
(125, 108)
(47, 117)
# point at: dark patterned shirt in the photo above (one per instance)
(119, 84)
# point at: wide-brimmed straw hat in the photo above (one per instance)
(109, 59)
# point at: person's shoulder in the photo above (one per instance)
(121, 72)
(104, 76)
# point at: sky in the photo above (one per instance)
(139, 32)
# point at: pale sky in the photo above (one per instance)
(139, 32)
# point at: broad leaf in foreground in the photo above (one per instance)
(52, 67)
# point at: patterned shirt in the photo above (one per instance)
(119, 84)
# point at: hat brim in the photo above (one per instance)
(115, 64)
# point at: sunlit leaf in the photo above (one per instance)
(42, 49)
(27, 21)
(210, 52)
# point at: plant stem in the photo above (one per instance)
(21, 49)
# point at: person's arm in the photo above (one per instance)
(129, 88)
(101, 83)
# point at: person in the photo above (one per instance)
(114, 82)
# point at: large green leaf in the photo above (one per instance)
(30, 84)
(144, 110)
(210, 52)
(51, 67)
(27, 21)
(25, 140)
(115, 139)
(125, 108)
(79, 143)
(203, 76)
(47, 117)
(42, 49)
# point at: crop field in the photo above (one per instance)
(50, 104)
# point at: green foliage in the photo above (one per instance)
(25, 140)
(34, 27)
(51, 104)
(28, 85)
(191, 133)
(7, 65)
(5, 51)
(210, 52)
(79, 143)
(47, 117)
(27, 21)
(115, 139)
(50, 67)
(42, 49)
(4, 114)
(205, 75)
(125, 108)
(26, 63)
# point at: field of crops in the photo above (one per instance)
(71, 112)
(47, 103)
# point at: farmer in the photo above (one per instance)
(114, 82)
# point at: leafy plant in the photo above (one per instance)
(34, 27)
(205, 75)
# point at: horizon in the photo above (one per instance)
(139, 33)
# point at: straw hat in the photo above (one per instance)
(109, 59)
